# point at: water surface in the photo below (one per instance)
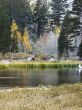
(34, 78)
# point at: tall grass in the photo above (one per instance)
(42, 65)
(3, 66)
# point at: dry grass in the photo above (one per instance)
(64, 97)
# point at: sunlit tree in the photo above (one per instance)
(14, 26)
(25, 40)
(57, 30)
(15, 37)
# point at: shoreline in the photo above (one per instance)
(42, 65)
(41, 87)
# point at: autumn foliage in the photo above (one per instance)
(23, 39)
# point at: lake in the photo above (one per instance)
(34, 78)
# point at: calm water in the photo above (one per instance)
(23, 78)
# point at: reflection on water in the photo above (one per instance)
(45, 77)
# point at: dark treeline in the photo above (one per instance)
(39, 17)
(71, 30)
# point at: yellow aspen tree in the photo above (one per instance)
(15, 36)
(14, 26)
(14, 30)
(57, 30)
(18, 35)
(25, 40)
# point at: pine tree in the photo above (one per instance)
(69, 27)
(5, 39)
(22, 13)
(80, 51)
(40, 17)
(25, 41)
(81, 3)
(76, 11)
(58, 11)
(76, 7)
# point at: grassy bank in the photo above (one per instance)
(43, 65)
(66, 97)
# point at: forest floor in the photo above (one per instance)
(64, 97)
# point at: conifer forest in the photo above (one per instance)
(44, 27)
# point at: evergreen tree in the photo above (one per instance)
(5, 19)
(76, 7)
(40, 17)
(76, 11)
(22, 13)
(81, 3)
(74, 26)
(69, 27)
(58, 11)
(63, 41)
(80, 50)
